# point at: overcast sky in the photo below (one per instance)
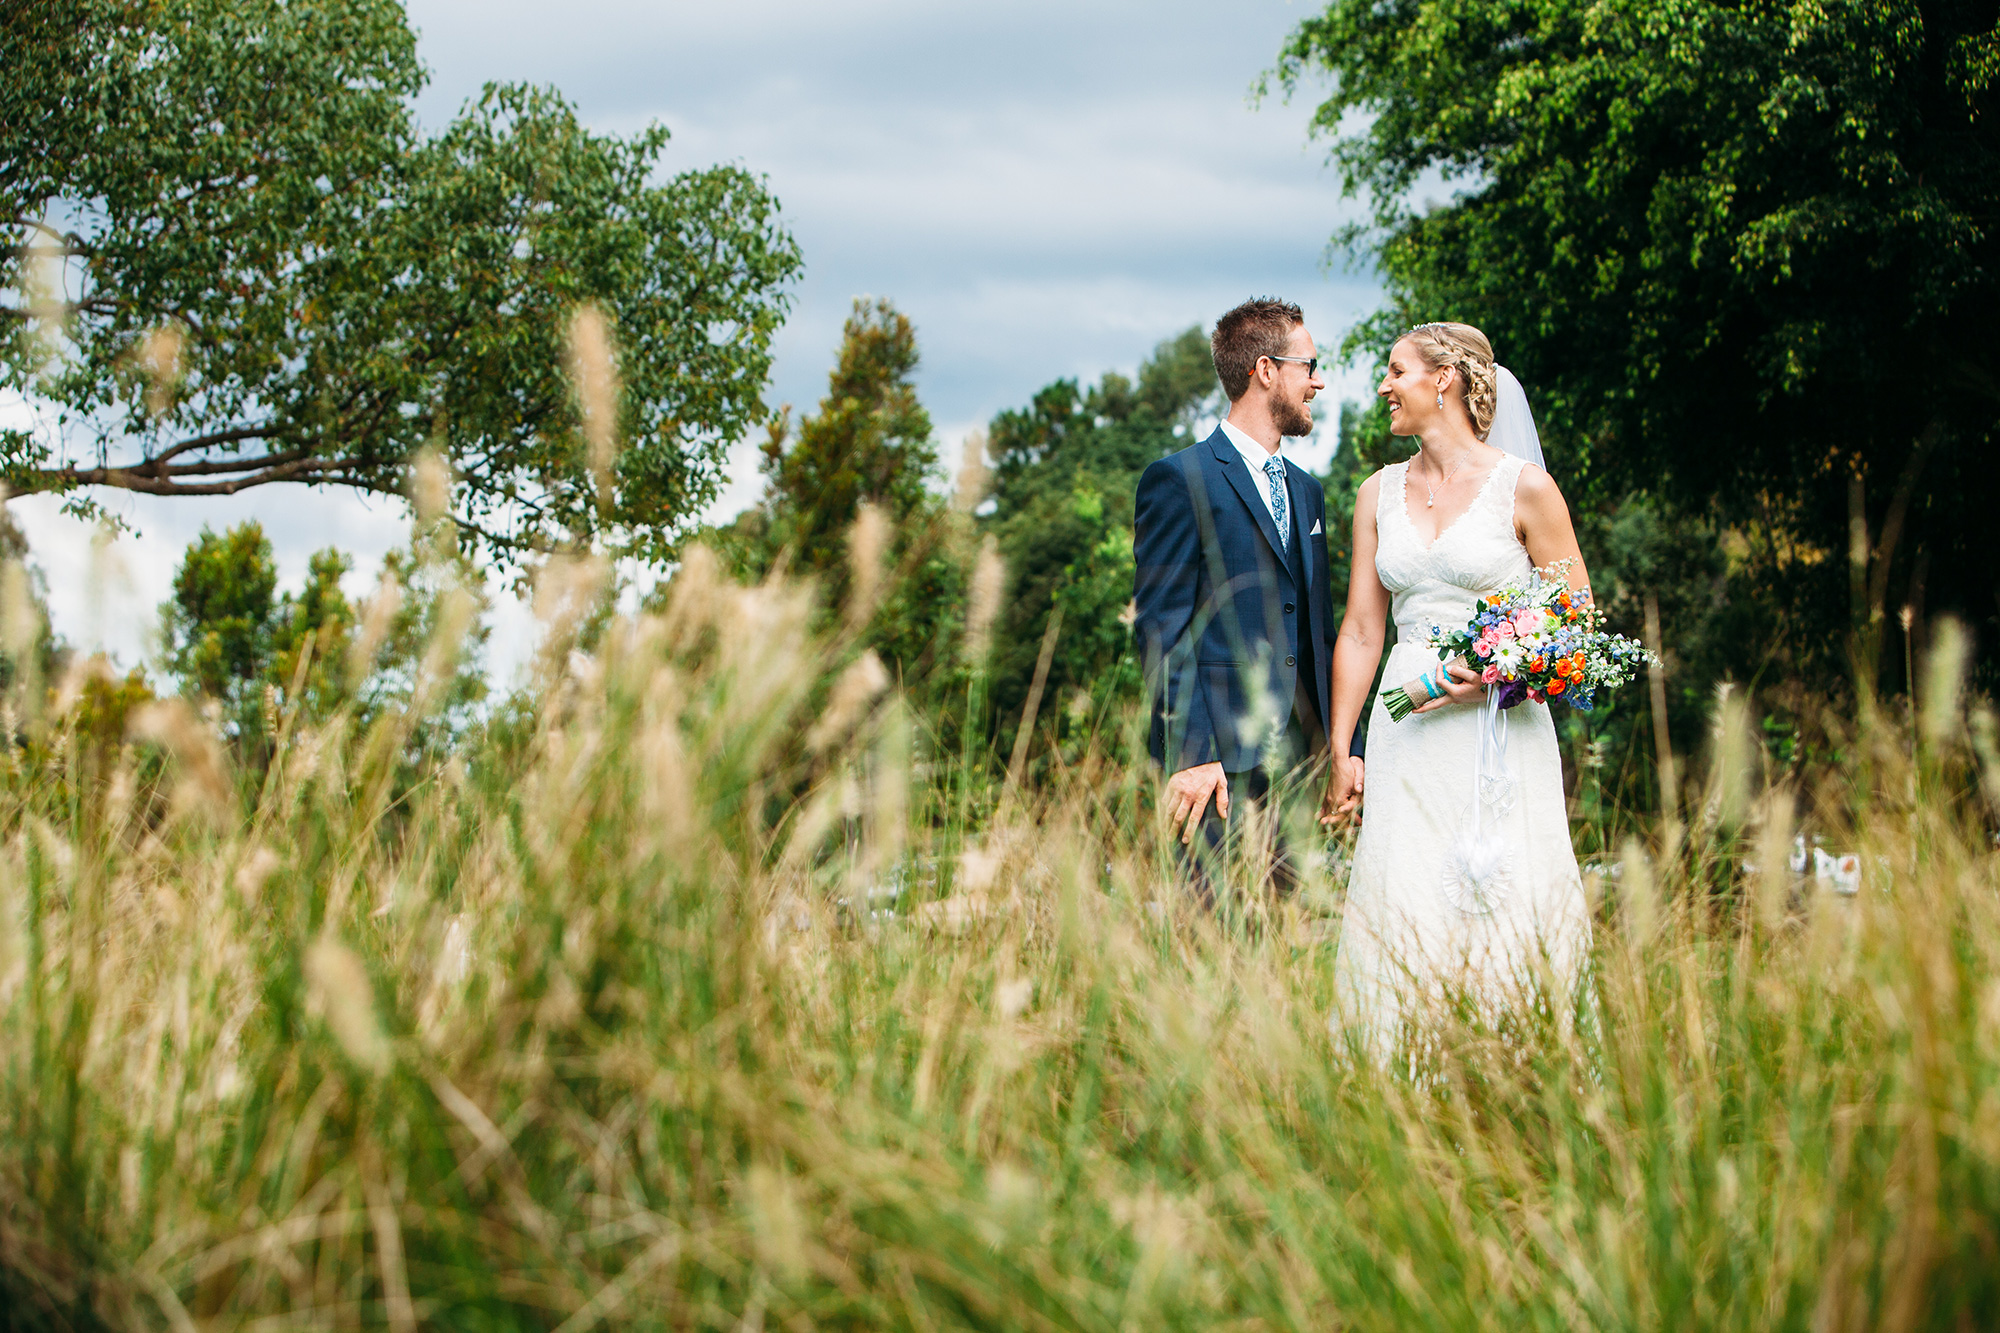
(1046, 188)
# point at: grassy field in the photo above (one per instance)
(702, 1002)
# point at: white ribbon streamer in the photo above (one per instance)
(1481, 860)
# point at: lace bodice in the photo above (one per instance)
(1438, 584)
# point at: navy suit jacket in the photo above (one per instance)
(1223, 605)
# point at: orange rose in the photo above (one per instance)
(1558, 686)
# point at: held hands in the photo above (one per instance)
(1460, 685)
(1343, 791)
(1187, 796)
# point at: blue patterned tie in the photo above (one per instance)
(1274, 468)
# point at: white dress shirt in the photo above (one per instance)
(1256, 455)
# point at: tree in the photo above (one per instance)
(241, 264)
(217, 628)
(228, 636)
(869, 443)
(1065, 470)
(1743, 254)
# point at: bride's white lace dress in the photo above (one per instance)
(1407, 935)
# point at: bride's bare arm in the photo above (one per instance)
(1356, 651)
(1542, 517)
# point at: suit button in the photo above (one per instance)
(1291, 661)
(1288, 608)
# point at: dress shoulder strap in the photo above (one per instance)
(1499, 493)
(1389, 493)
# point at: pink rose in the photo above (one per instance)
(1490, 675)
(1506, 628)
(1527, 622)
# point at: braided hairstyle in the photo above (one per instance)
(1464, 349)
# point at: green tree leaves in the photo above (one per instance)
(1065, 470)
(1740, 253)
(218, 625)
(870, 442)
(230, 638)
(346, 292)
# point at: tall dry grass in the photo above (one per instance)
(695, 1006)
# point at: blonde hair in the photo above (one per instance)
(1464, 349)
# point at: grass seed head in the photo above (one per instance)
(430, 488)
(20, 620)
(858, 687)
(989, 574)
(48, 297)
(778, 1227)
(1944, 680)
(974, 476)
(203, 788)
(595, 376)
(338, 991)
(866, 546)
(377, 618)
(160, 359)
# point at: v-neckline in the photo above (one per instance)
(1403, 506)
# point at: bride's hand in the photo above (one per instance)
(1343, 791)
(1461, 686)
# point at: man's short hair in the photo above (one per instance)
(1257, 328)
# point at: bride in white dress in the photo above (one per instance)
(1431, 536)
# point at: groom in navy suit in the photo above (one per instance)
(1234, 614)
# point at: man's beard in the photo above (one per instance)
(1294, 419)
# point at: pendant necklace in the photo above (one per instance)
(1431, 503)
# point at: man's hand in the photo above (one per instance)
(1187, 796)
(1343, 790)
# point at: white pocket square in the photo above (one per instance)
(1317, 529)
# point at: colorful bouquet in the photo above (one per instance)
(1536, 640)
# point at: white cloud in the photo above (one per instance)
(1047, 188)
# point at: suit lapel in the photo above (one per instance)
(1238, 472)
(1299, 516)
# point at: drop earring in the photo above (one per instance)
(1440, 397)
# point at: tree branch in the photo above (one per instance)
(278, 467)
(234, 435)
(215, 467)
(72, 243)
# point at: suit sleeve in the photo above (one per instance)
(1166, 554)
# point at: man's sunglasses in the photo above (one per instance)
(1311, 363)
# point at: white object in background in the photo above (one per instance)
(1840, 873)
